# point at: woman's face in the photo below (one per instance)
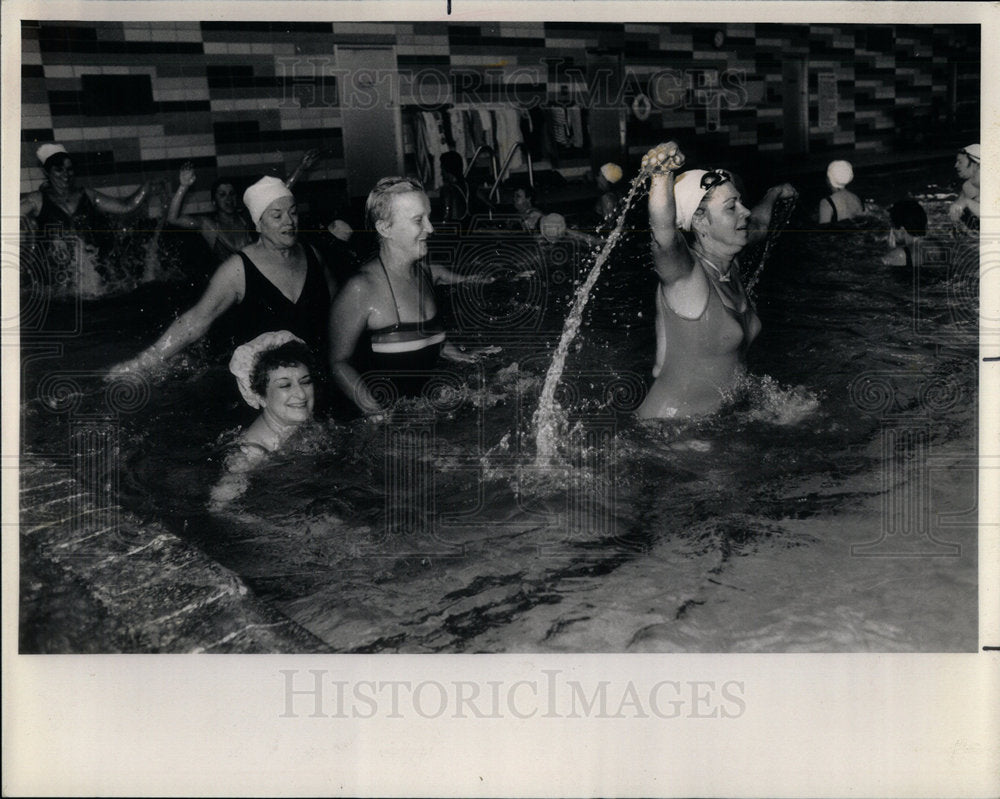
(964, 166)
(279, 224)
(61, 175)
(726, 217)
(521, 201)
(225, 198)
(410, 224)
(290, 395)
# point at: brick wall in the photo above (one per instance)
(133, 100)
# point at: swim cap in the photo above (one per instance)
(262, 193)
(688, 194)
(973, 152)
(46, 151)
(839, 173)
(552, 227)
(612, 173)
(245, 359)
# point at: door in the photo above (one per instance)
(370, 115)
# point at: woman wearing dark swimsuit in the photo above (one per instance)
(61, 210)
(704, 319)
(277, 283)
(385, 319)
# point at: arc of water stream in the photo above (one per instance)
(546, 418)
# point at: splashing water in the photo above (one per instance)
(67, 267)
(547, 417)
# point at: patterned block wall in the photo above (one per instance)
(133, 100)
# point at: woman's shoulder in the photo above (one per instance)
(257, 441)
(246, 455)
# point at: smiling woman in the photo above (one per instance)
(66, 212)
(276, 283)
(274, 373)
(390, 302)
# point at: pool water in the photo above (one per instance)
(831, 505)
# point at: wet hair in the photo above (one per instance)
(378, 206)
(529, 191)
(223, 181)
(291, 353)
(451, 162)
(909, 214)
(55, 160)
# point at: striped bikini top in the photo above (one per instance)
(403, 337)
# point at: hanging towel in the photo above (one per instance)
(557, 123)
(436, 143)
(575, 122)
(457, 119)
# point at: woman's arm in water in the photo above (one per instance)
(225, 288)
(348, 320)
(443, 275)
(760, 216)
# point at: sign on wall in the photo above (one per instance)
(827, 101)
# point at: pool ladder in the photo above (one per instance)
(495, 191)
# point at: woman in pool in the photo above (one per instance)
(227, 230)
(276, 283)
(964, 212)
(841, 204)
(385, 319)
(608, 178)
(704, 320)
(524, 204)
(63, 210)
(274, 373)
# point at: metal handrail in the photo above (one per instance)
(506, 163)
(475, 155)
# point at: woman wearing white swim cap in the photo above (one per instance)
(275, 283)
(704, 319)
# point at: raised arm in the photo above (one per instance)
(348, 319)
(186, 180)
(760, 217)
(225, 288)
(308, 159)
(671, 255)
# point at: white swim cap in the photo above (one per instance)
(46, 151)
(245, 359)
(839, 173)
(552, 227)
(612, 173)
(688, 194)
(262, 193)
(973, 152)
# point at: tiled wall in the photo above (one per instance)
(224, 95)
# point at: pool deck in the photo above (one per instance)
(99, 580)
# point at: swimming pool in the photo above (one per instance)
(830, 507)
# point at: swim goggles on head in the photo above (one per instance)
(969, 155)
(715, 177)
